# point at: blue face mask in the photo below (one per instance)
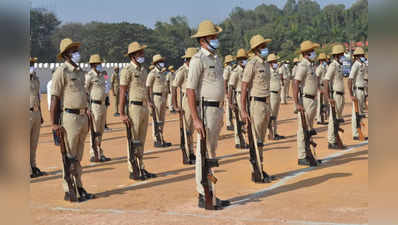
(324, 63)
(363, 59)
(313, 56)
(75, 57)
(264, 52)
(161, 64)
(140, 60)
(274, 66)
(214, 44)
(99, 68)
(342, 59)
(244, 62)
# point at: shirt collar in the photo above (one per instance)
(186, 66)
(95, 72)
(70, 67)
(259, 58)
(208, 53)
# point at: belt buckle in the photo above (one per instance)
(82, 111)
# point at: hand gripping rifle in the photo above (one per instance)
(93, 136)
(184, 149)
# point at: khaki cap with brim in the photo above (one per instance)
(151, 67)
(359, 51)
(228, 59)
(207, 28)
(33, 60)
(272, 57)
(171, 68)
(258, 40)
(66, 44)
(135, 47)
(296, 60)
(95, 59)
(241, 54)
(156, 58)
(322, 56)
(307, 46)
(189, 53)
(116, 67)
(338, 49)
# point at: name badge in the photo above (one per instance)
(212, 67)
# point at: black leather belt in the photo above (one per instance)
(76, 111)
(361, 88)
(32, 109)
(158, 94)
(339, 92)
(259, 99)
(275, 92)
(211, 104)
(135, 103)
(366, 80)
(96, 102)
(309, 96)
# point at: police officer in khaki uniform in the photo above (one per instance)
(294, 69)
(234, 92)
(157, 91)
(181, 81)
(334, 90)
(95, 86)
(277, 74)
(205, 80)
(283, 68)
(132, 81)
(228, 67)
(36, 118)
(68, 87)
(169, 79)
(356, 87)
(115, 83)
(320, 73)
(256, 86)
(305, 75)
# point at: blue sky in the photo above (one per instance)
(147, 12)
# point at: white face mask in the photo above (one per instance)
(244, 62)
(32, 69)
(140, 60)
(161, 64)
(313, 56)
(274, 66)
(76, 57)
(342, 58)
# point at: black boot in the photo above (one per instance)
(192, 158)
(334, 146)
(305, 162)
(67, 197)
(357, 138)
(313, 132)
(278, 137)
(230, 127)
(147, 174)
(84, 195)
(202, 203)
(104, 159)
(257, 178)
(37, 173)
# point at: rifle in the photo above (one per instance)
(93, 136)
(255, 159)
(207, 164)
(238, 122)
(185, 154)
(336, 128)
(156, 124)
(322, 107)
(358, 121)
(133, 144)
(69, 169)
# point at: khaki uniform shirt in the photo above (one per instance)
(157, 81)
(366, 77)
(334, 74)
(95, 85)
(181, 78)
(34, 101)
(294, 71)
(227, 72)
(170, 78)
(205, 76)
(357, 74)
(320, 73)
(306, 74)
(275, 83)
(134, 77)
(235, 80)
(284, 69)
(258, 75)
(115, 81)
(68, 84)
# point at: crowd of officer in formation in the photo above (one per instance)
(253, 82)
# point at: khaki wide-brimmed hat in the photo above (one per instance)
(228, 59)
(151, 67)
(328, 56)
(135, 47)
(250, 54)
(359, 51)
(66, 44)
(272, 57)
(95, 59)
(322, 56)
(258, 40)
(171, 67)
(156, 58)
(116, 67)
(307, 46)
(189, 53)
(338, 49)
(207, 28)
(296, 60)
(241, 54)
(33, 60)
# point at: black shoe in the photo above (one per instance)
(92, 159)
(278, 137)
(270, 178)
(67, 197)
(161, 145)
(147, 174)
(133, 177)
(173, 111)
(116, 114)
(258, 179)
(222, 203)
(242, 146)
(84, 195)
(313, 132)
(357, 138)
(335, 146)
(230, 127)
(202, 204)
(104, 159)
(37, 173)
(295, 111)
(192, 159)
(305, 162)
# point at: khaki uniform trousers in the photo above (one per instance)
(99, 116)
(360, 94)
(260, 113)
(284, 92)
(35, 123)
(339, 99)
(318, 107)
(275, 100)
(169, 102)
(188, 126)
(213, 124)
(310, 111)
(76, 127)
(138, 115)
(228, 116)
(237, 140)
(116, 100)
(160, 107)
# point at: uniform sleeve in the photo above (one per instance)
(354, 71)
(194, 73)
(150, 79)
(226, 73)
(330, 72)
(58, 82)
(300, 73)
(87, 82)
(179, 79)
(248, 72)
(125, 77)
(233, 80)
